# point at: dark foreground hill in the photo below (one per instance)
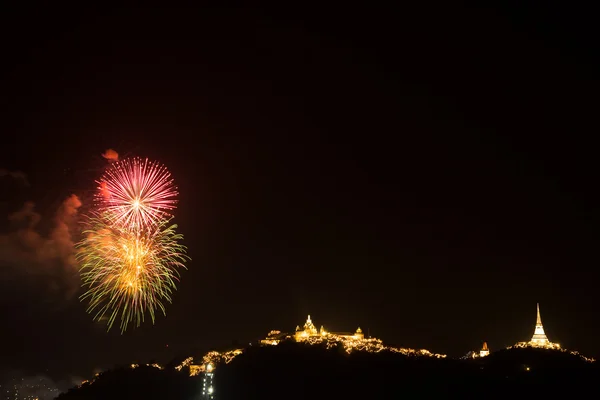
(144, 382)
(296, 371)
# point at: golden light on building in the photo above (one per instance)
(310, 331)
(539, 338)
(484, 350)
(351, 341)
(195, 370)
(209, 361)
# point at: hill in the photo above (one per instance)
(149, 382)
(298, 370)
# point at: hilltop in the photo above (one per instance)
(299, 370)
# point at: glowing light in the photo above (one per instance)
(550, 346)
(130, 254)
(188, 361)
(136, 193)
(129, 273)
(349, 341)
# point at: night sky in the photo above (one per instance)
(427, 174)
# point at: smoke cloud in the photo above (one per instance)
(27, 252)
(111, 155)
(18, 176)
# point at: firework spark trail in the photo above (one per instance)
(130, 255)
(129, 273)
(137, 193)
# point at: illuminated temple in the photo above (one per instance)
(485, 351)
(539, 338)
(308, 332)
(350, 341)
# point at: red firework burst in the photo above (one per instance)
(137, 193)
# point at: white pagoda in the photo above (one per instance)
(539, 338)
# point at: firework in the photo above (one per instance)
(136, 193)
(129, 273)
(130, 255)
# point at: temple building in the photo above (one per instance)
(308, 331)
(349, 341)
(274, 337)
(484, 350)
(311, 331)
(539, 338)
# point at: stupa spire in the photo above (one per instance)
(539, 336)
(309, 327)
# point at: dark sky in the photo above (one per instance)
(427, 173)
